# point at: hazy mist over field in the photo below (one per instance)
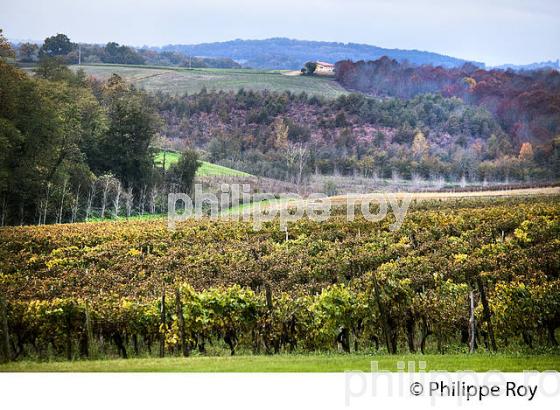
(495, 32)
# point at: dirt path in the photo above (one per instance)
(356, 199)
(423, 196)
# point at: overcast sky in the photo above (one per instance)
(492, 31)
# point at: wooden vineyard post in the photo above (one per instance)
(89, 335)
(162, 326)
(5, 342)
(181, 319)
(472, 323)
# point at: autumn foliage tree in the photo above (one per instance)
(6, 49)
(526, 152)
(526, 104)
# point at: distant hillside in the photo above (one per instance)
(534, 66)
(526, 104)
(283, 53)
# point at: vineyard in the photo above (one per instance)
(460, 275)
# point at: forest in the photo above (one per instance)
(526, 104)
(428, 136)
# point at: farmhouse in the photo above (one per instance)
(324, 68)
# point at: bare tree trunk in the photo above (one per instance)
(59, 219)
(153, 197)
(116, 200)
(76, 206)
(291, 154)
(91, 195)
(129, 201)
(40, 212)
(302, 151)
(143, 199)
(46, 203)
(104, 199)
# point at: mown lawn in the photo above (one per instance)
(170, 157)
(299, 363)
(206, 169)
(211, 170)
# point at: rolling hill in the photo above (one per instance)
(284, 53)
(178, 81)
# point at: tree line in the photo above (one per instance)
(112, 53)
